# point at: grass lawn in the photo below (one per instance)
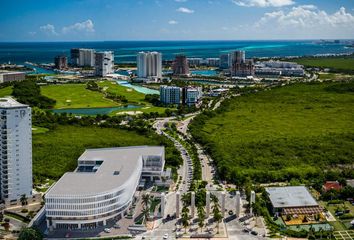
(39, 130)
(340, 224)
(130, 94)
(76, 96)
(337, 63)
(56, 151)
(6, 91)
(289, 132)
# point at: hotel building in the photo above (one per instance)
(12, 76)
(16, 151)
(104, 63)
(191, 95)
(149, 65)
(102, 187)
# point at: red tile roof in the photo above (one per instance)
(332, 185)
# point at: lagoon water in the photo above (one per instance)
(125, 51)
(137, 88)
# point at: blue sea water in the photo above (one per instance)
(125, 51)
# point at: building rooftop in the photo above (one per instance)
(295, 196)
(9, 102)
(10, 72)
(118, 164)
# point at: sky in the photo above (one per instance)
(109, 20)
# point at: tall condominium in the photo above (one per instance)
(180, 66)
(104, 63)
(240, 66)
(224, 61)
(83, 57)
(149, 65)
(60, 62)
(16, 150)
(170, 94)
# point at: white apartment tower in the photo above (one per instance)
(149, 65)
(104, 63)
(16, 150)
(87, 57)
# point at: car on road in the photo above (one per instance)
(107, 230)
(231, 212)
(254, 233)
(116, 226)
(165, 236)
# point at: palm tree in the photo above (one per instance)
(185, 217)
(146, 205)
(23, 200)
(185, 199)
(216, 212)
(201, 217)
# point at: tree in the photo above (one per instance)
(216, 211)
(146, 200)
(185, 217)
(201, 217)
(30, 234)
(23, 200)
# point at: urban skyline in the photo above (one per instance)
(93, 20)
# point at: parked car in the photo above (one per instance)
(165, 236)
(107, 230)
(116, 226)
(254, 233)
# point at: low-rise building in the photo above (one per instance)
(12, 76)
(191, 95)
(292, 200)
(331, 185)
(102, 187)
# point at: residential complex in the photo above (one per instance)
(149, 65)
(104, 63)
(102, 187)
(12, 76)
(60, 62)
(16, 151)
(82, 57)
(180, 66)
(170, 95)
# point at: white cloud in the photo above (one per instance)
(172, 22)
(86, 26)
(48, 29)
(263, 3)
(307, 16)
(185, 10)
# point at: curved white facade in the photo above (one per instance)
(65, 209)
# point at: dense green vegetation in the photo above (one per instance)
(28, 92)
(337, 64)
(56, 152)
(6, 91)
(297, 131)
(76, 96)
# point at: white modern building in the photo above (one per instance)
(149, 65)
(276, 68)
(170, 94)
(191, 95)
(102, 187)
(104, 63)
(16, 151)
(12, 76)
